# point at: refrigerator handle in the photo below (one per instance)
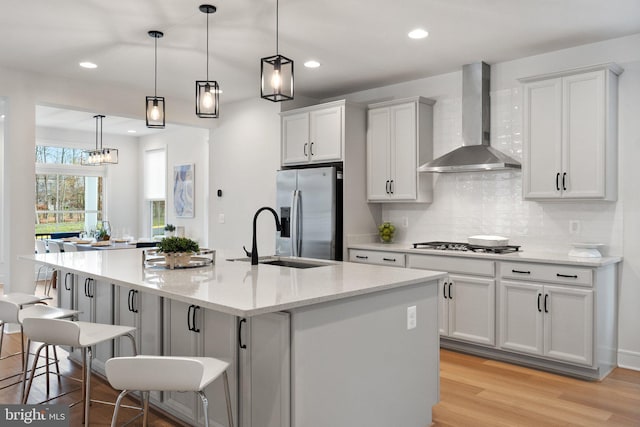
(296, 223)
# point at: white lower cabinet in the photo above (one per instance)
(66, 289)
(550, 321)
(265, 370)
(94, 300)
(468, 309)
(190, 330)
(467, 303)
(144, 312)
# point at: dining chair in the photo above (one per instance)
(140, 373)
(54, 247)
(79, 334)
(69, 247)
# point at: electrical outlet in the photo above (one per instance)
(411, 317)
(221, 218)
(574, 227)
(405, 221)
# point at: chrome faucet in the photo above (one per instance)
(254, 244)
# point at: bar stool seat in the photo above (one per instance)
(12, 311)
(140, 373)
(78, 334)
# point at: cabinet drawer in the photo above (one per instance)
(395, 259)
(564, 274)
(476, 267)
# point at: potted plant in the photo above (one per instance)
(169, 230)
(177, 251)
(102, 235)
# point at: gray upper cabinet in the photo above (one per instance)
(570, 134)
(399, 140)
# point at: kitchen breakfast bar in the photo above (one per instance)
(337, 344)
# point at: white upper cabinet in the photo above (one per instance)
(399, 139)
(570, 134)
(313, 134)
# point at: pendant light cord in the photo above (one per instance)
(208, 46)
(155, 69)
(277, 52)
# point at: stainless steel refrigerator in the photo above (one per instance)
(309, 203)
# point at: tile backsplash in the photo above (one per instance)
(467, 204)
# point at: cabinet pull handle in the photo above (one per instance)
(133, 301)
(558, 181)
(391, 186)
(386, 187)
(564, 176)
(189, 317)
(450, 283)
(304, 148)
(444, 290)
(87, 287)
(311, 149)
(86, 294)
(195, 310)
(92, 288)
(362, 257)
(545, 303)
(240, 333)
(539, 309)
(66, 276)
(520, 272)
(569, 276)
(389, 259)
(129, 303)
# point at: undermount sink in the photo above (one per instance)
(287, 262)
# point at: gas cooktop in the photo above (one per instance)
(466, 247)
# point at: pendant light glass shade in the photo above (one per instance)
(99, 156)
(277, 78)
(154, 105)
(207, 91)
(276, 74)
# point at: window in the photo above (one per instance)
(155, 173)
(69, 197)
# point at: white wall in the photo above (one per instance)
(182, 145)
(491, 202)
(244, 157)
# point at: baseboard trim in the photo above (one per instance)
(629, 359)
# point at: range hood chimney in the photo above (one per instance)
(475, 155)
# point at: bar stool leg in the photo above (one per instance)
(55, 354)
(227, 396)
(205, 407)
(117, 407)
(87, 397)
(32, 374)
(83, 386)
(145, 408)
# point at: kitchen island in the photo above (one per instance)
(341, 344)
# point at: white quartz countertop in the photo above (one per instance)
(522, 255)
(238, 288)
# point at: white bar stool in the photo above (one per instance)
(20, 299)
(142, 373)
(81, 335)
(11, 311)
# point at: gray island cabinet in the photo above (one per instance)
(341, 344)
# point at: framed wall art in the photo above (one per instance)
(183, 190)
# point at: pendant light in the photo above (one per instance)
(100, 156)
(207, 92)
(276, 74)
(155, 103)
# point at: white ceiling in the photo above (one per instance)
(360, 43)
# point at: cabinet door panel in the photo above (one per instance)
(472, 309)
(325, 135)
(584, 135)
(521, 318)
(543, 139)
(378, 152)
(403, 152)
(443, 307)
(568, 324)
(295, 134)
(127, 318)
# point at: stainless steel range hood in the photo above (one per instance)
(475, 155)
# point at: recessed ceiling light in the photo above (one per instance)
(132, 131)
(418, 33)
(312, 64)
(87, 64)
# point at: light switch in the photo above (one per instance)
(412, 319)
(221, 218)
